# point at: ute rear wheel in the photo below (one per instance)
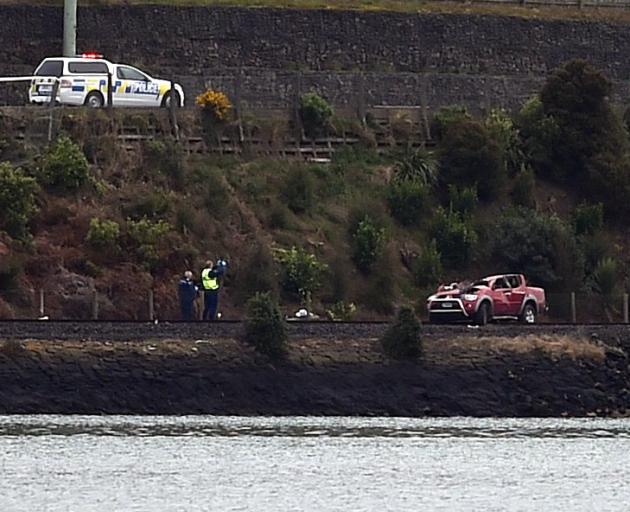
(528, 316)
(94, 100)
(483, 315)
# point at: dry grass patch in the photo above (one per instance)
(12, 348)
(551, 345)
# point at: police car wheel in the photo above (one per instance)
(94, 100)
(166, 102)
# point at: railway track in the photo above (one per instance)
(128, 331)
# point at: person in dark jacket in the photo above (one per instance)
(210, 283)
(187, 295)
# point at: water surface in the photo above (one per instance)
(129, 463)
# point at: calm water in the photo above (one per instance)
(126, 463)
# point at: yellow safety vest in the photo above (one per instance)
(208, 282)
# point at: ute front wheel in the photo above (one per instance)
(483, 315)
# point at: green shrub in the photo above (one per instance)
(542, 247)
(419, 165)
(588, 218)
(470, 156)
(302, 271)
(463, 200)
(501, 128)
(298, 190)
(455, 238)
(408, 201)
(341, 311)
(368, 243)
(167, 158)
(103, 234)
(152, 205)
(264, 327)
(217, 196)
(605, 279)
(278, 216)
(595, 247)
(64, 165)
(315, 114)
(572, 135)
(145, 236)
(523, 188)
(427, 268)
(445, 117)
(17, 200)
(402, 339)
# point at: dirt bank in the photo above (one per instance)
(488, 374)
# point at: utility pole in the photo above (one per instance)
(69, 28)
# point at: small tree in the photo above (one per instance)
(145, 237)
(103, 234)
(588, 218)
(427, 268)
(408, 201)
(315, 113)
(402, 339)
(368, 243)
(469, 155)
(264, 327)
(523, 189)
(17, 200)
(456, 239)
(299, 190)
(463, 200)
(302, 271)
(64, 166)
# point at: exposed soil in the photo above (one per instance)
(490, 372)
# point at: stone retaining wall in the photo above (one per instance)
(269, 56)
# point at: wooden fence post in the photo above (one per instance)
(151, 306)
(202, 304)
(110, 94)
(41, 302)
(172, 111)
(51, 117)
(95, 306)
(573, 309)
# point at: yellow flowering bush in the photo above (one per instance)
(215, 103)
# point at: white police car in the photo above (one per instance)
(83, 81)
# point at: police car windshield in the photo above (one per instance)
(50, 68)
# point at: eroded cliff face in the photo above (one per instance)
(264, 58)
(478, 374)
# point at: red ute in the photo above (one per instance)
(492, 298)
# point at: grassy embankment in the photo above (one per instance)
(405, 6)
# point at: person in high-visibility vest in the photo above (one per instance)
(210, 284)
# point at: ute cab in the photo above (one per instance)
(498, 297)
(83, 81)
